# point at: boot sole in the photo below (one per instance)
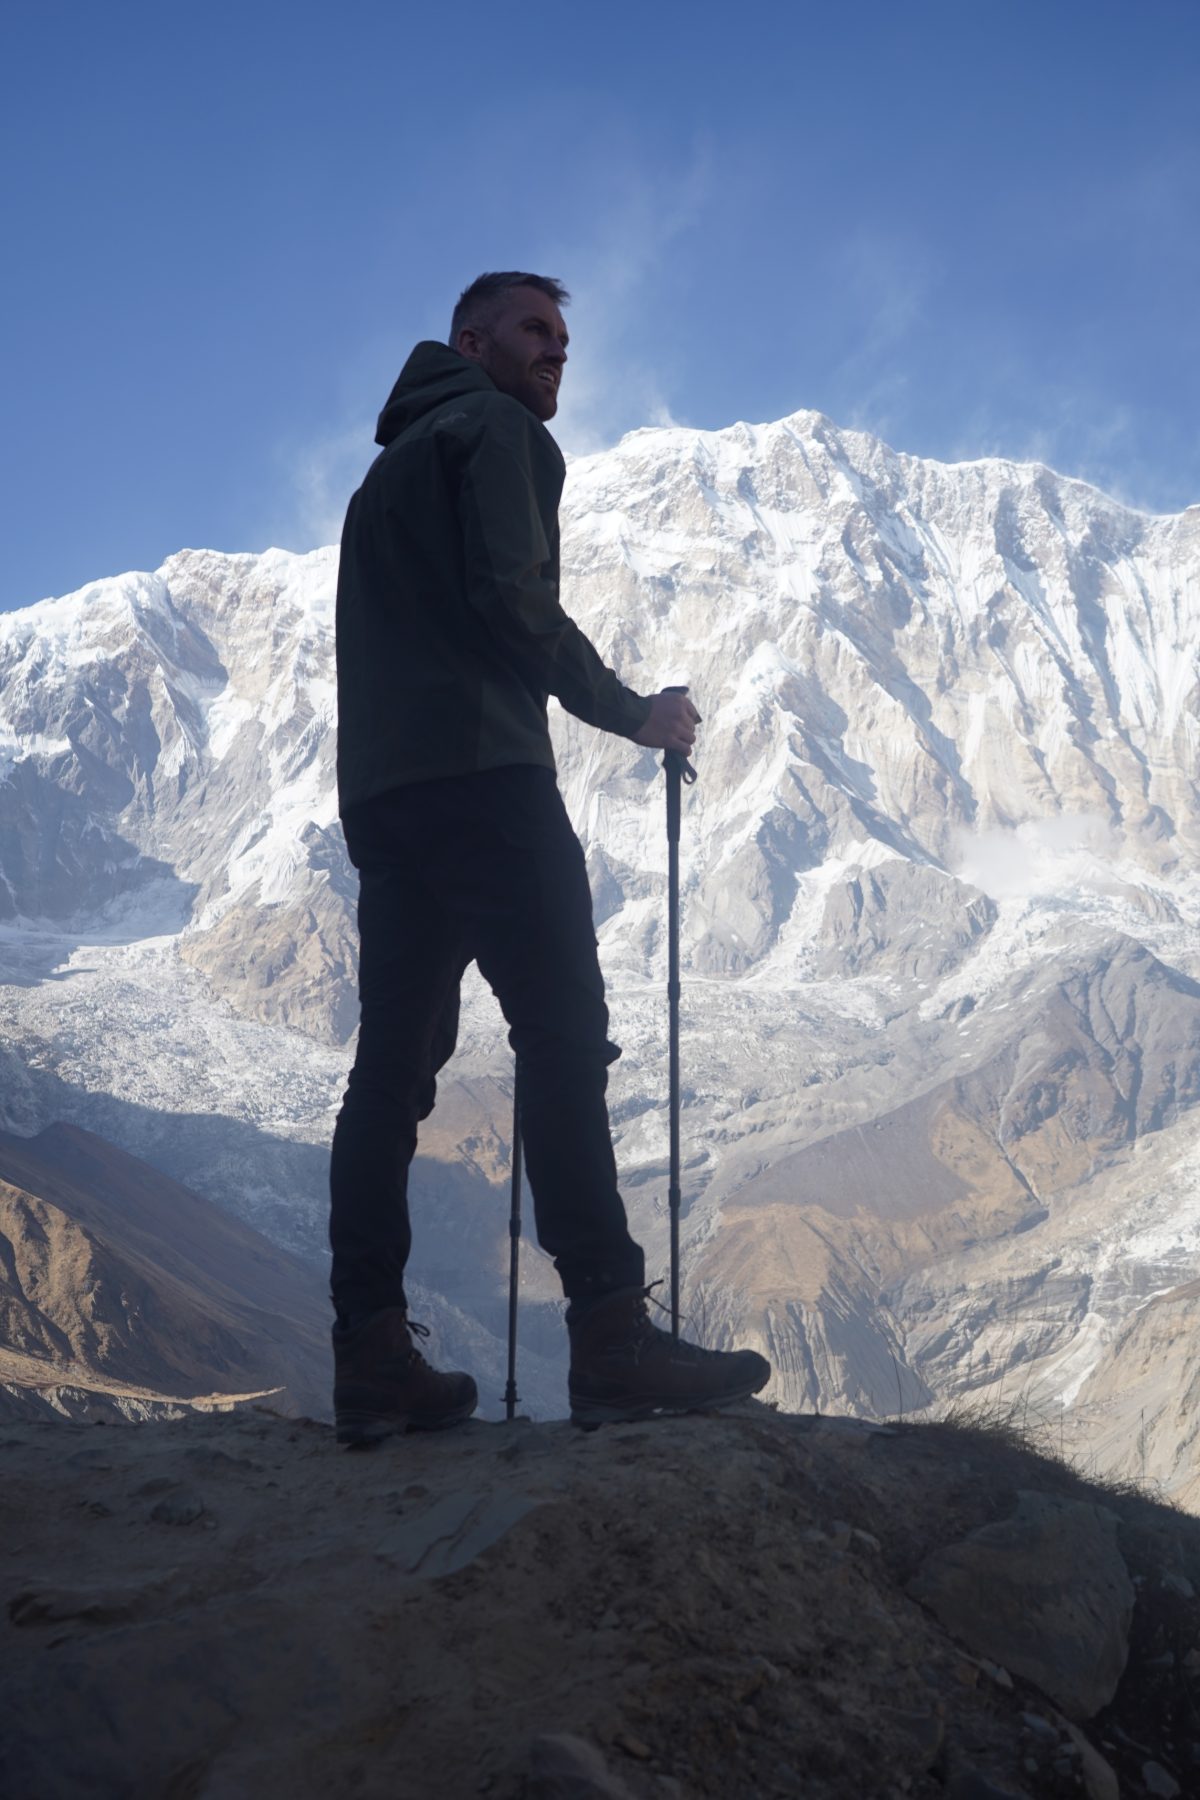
(362, 1430)
(590, 1413)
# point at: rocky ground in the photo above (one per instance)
(721, 1608)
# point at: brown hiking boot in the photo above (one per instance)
(624, 1367)
(382, 1384)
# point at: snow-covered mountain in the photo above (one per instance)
(941, 1016)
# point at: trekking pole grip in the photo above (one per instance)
(678, 769)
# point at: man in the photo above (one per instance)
(450, 636)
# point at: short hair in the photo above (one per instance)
(479, 303)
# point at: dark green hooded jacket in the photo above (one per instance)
(449, 631)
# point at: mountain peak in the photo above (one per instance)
(947, 758)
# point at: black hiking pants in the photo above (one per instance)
(482, 868)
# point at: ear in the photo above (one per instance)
(470, 343)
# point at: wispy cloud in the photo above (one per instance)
(315, 484)
(1070, 852)
(611, 386)
(884, 281)
(1072, 431)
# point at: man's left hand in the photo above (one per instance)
(671, 725)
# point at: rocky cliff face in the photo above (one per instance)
(939, 929)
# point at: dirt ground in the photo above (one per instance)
(227, 1605)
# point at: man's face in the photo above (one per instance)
(523, 349)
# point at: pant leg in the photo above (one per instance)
(528, 917)
(411, 962)
(484, 866)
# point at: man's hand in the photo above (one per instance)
(671, 725)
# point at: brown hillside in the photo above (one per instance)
(117, 1282)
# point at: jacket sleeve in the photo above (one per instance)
(510, 581)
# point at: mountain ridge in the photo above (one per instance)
(948, 763)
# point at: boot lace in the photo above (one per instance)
(416, 1330)
(681, 1349)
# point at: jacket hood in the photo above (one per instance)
(432, 375)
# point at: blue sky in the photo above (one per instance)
(972, 227)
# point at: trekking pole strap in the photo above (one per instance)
(679, 769)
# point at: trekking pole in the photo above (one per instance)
(679, 770)
(514, 1252)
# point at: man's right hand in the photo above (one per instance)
(671, 725)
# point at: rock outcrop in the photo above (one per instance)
(741, 1607)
